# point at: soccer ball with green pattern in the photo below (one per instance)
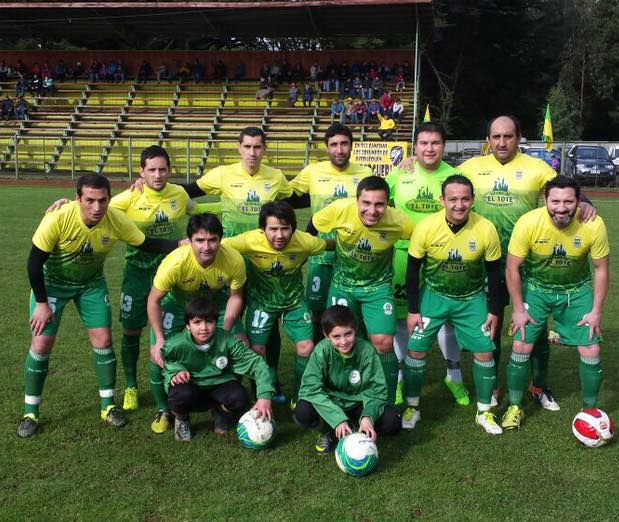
(356, 454)
(255, 432)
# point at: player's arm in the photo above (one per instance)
(174, 371)
(520, 317)
(587, 210)
(153, 310)
(413, 268)
(194, 208)
(234, 308)
(300, 197)
(298, 201)
(42, 313)
(493, 273)
(374, 397)
(600, 288)
(160, 246)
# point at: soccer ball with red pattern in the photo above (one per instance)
(593, 428)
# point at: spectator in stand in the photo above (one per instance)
(93, 71)
(406, 69)
(357, 87)
(377, 86)
(173, 71)
(293, 94)
(366, 87)
(36, 69)
(184, 72)
(239, 71)
(78, 71)
(360, 114)
(46, 70)
(298, 73)
(110, 73)
(386, 103)
(60, 71)
(285, 71)
(7, 109)
(102, 73)
(265, 70)
(346, 88)
(197, 71)
(349, 110)
(21, 108)
(265, 90)
(21, 85)
(397, 110)
(315, 72)
(387, 126)
(120, 75)
(308, 95)
(36, 85)
(144, 72)
(162, 72)
(331, 82)
(5, 70)
(337, 110)
(48, 84)
(399, 81)
(21, 68)
(373, 111)
(220, 70)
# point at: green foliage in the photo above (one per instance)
(565, 124)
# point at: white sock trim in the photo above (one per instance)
(106, 394)
(32, 399)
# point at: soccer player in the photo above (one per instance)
(318, 185)
(453, 248)
(366, 230)
(276, 253)
(508, 184)
(200, 371)
(66, 263)
(553, 247)
(205, 269)
(343, 387)
(417, 194)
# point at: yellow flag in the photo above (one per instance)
(485, 148)
(547, 136)
(426, 117)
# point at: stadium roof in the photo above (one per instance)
(239, 18)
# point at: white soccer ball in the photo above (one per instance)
(356, 454)
(254, 431)
(593, 428)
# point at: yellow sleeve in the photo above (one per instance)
(285, 190)
(407, 226)
(168, 273)
(127, 230)
(315, 245)
(300, 183)
(237, 269)
(211, 182)
(238, 243)
(417, 243)
(519, 244)
(47, 233)
(546, 174)
(599, 246)
(324, 220)
(201, 208)
(493, 244)
(122, 201)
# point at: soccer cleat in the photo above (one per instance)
(113, 416)
(399, 394)
(28, 426)
(130, 401)
(459, 391)
(182, 430)
(495, 399)
(222, 427)
(292, 405)
(512, 418)
(162, 421)
(410, 417)
(325, 443)
(554, 337)
(487, 421)
(544, 397)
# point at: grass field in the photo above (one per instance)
(446, 469)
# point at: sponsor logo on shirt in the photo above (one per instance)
(577, 242)
(518, 175)
(472, 245)
(559, 257)
(454, 262)
(161, 226)
(105, 240)
(424, 202)
(173, 204)
(221, 362)
(363, 251)
(354, 377)
(339, 192)
(388, 308)
(251, 206)
(500, 196)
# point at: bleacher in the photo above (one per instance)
(101, 127)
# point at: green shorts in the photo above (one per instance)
(467, 317)
(374, 308)
(136, 286)
(318, 283)
(567, 309)
(259, 322)
(92, 303)
(400, 262)
(173, 319)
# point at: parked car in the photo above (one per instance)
(590, 164)
(463, 155)
(552, 157)
(614, 157)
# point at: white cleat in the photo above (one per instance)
(410, 417)
(488, 422)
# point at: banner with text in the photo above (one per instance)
(380, 156)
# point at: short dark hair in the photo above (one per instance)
(372, 183)
(208, 222)
(252, 132)
(337, 315)
(278, 209)
(515, 121)
(96, 181)
(431, 126)
(338, 129)
(562, 182)
(154, 151)
(202, 309)
(460, 180)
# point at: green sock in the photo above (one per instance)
(156, 386)
(590, 380)
(484, 375)
(389, 362)
(273, 375)
(35, 371)
(273, 349)
(414, 372)
(105, 366)
(539, 361)
(318, 335)
(129, 354)
(517, 372)
(300, 364)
